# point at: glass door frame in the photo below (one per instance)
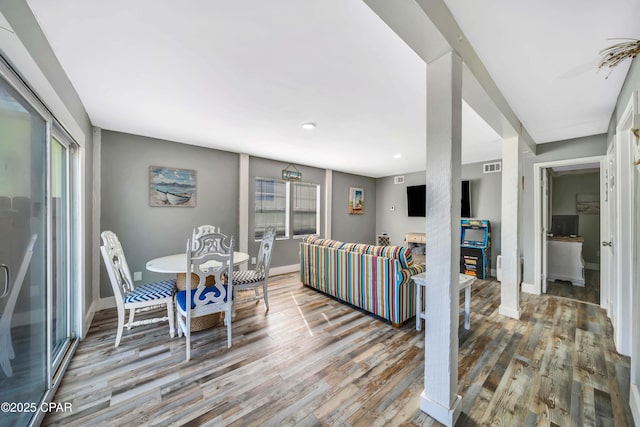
(75, 260)
(58, 135)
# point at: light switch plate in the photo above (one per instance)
(137, 276)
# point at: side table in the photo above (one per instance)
(420, 282)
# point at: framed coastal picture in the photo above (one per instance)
(172, 187)
(588, 204)
(356, 201)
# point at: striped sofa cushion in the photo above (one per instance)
(401, 253)
(151, 291)
(313, 240)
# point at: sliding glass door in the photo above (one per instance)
(60, 214)
(23, 243)
(38, 280)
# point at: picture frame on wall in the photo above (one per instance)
(171, 187)
(356, 201)
(588, 204)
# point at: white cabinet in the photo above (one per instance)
(565, 259)
(416, 242)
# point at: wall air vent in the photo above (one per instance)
(398, 179)
(492, 167)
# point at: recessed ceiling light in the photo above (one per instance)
(397, 156)
(308, 126)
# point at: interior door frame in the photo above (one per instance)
(538, 169)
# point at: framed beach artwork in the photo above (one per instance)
(588, 204)
(356, 201)
(172, 187)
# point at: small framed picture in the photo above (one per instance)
(356, 201)
(171, 187)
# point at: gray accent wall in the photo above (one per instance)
(19, 15)
(348, 227)
(565, 189)
(562, 150)
(486, 202)
(149, 232)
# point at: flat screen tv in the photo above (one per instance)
(417, 200)
(564, 225)
(465, 201)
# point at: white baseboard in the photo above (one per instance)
(104, 303)
(509, 312)
(592, 266)
(284, 269)
(530, 288)
(634, 403)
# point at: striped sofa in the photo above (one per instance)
(373, 278)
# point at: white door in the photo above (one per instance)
(545, 227)
(607, 253)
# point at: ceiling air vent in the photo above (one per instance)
(398, 179)
(492, 167)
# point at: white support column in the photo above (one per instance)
(439, 398)
(328, 195)
(243, 207)
(510, 285)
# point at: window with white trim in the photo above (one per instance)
(305, 207)
(271, 207)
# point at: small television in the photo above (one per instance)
(465, 200)
(564, 225)
(417, 200)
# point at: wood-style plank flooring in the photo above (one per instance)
(589, 293)
(315, 361)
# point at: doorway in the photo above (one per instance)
(573, 236)
(569, 216)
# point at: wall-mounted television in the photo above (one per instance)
(417, 200)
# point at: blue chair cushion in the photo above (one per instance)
(247, 276)
(151, 291)
(181, 296)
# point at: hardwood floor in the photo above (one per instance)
(589, 293)
(315, 361)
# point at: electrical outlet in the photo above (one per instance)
(137, 276)
(253, 260)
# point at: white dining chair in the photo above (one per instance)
(257, 278)
(136, 299)
(209, 255)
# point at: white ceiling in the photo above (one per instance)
(244, 75)
(543, 55)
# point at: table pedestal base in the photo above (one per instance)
(203, 322)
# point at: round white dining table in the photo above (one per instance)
(177, 263)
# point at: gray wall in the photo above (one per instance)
(149, 232)
(347, 227)
(19, 15)
(486, 202)
(391, 204)
(570, 149)
(565, 189)
(285, 251)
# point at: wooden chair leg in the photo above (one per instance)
(132, 313)
(121, 314)
(172, 329)
(265, 296)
